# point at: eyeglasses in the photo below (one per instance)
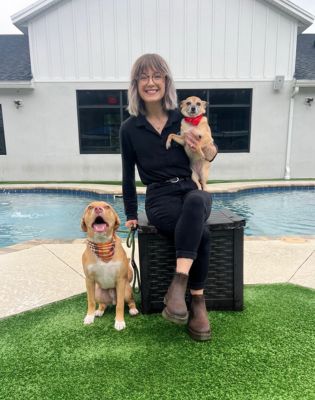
(157, 77)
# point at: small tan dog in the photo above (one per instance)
(105, 263)
(193, 109)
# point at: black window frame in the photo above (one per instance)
(122, 94)
(233, 138)
(3, 150)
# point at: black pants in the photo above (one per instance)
(180, 211)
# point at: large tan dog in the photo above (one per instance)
(193, 109)
(105, 263)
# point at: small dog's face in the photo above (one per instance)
(99, 219)
(193, 106)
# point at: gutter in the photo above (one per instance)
(16, 85)
(295, 91)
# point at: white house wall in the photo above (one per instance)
(303, 139)
(98, 40)
(42, 138)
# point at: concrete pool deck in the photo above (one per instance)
(36, 273)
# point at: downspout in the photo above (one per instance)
(295, 91)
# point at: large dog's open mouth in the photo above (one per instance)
(99, 225)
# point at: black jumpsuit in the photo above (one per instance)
(176, 209)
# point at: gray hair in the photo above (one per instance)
(156, 63)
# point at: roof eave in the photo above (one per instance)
(305, 18)
(17, 84)
(20, 18)
(305, 82)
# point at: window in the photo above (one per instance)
(2, 141)
(228, 113)
(100, 114)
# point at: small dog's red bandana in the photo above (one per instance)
(193, 120)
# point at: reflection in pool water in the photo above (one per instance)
(27, 216)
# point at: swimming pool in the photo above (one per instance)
(27, 215)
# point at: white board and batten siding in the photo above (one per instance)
(203, 40)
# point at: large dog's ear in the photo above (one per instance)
(83, 225)
(117, 222)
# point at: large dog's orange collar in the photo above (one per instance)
(105, 251)
(193, 120)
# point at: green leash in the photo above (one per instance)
(131, 244)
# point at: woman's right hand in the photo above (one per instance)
(131, 223)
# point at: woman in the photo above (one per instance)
(173, 203)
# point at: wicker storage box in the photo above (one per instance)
(224, 287)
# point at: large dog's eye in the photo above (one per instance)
(188, 103)
(90, 207)
(107, 207)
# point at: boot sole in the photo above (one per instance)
(199, 336)
(177, 319)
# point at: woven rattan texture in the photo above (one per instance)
(158, 273)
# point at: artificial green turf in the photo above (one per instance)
(264, 352)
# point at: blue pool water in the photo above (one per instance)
(33, 215)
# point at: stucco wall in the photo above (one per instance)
(303, 136)
(42, 136)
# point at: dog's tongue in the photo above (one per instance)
(99, 227)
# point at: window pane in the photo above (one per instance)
(99, 130)
(230, 96)
(2, 141)
(230, 128)
(99, 97)
(125, 97)
(182, 94)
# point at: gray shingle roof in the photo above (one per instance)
(15, 62)
(305, 57)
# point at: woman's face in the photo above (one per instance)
(151, 86)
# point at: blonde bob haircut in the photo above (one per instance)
(141, 65)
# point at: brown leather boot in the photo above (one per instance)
(176, 309)
(198, 322)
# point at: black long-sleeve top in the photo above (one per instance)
(144, 147)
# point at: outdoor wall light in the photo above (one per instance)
(18, 103)
(309, 100)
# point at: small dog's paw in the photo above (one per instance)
(99, 313)
(168, 145)
(88, 320)
(133, 311)
(120, 325)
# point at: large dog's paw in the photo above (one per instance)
(99, 313)
(120, 325)
(88, 320)
(133, 311)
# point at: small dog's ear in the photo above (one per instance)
(204, 103)
(83, 225)
(182, 103)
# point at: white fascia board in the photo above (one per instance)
(304, 17)
(305, 83)
(16, 85)
(20, 18)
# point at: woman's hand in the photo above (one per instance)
(131, 223)
(192, 138)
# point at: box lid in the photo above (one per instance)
(218, 220)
